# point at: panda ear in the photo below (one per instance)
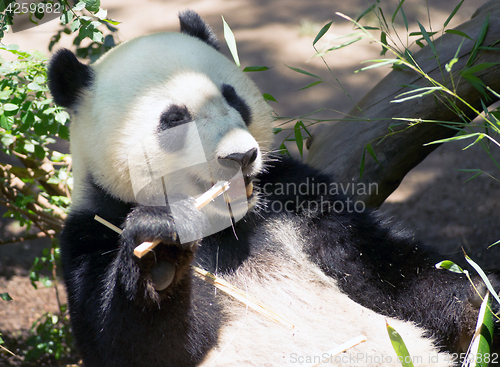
(193, 25)
(67, 78)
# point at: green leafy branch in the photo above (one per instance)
(37, 189)
(404, 59)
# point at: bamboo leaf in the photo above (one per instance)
(379, 63)
(479, 41)
(338, 47)
(473, 177)
(483, 276)
(303, 72)
(412, 94)
(399, 347)
(483, 336)
(449, 265)
(454, 138)
(397, 10)
(458, 33)
(415, 34)
(269, 97)
(255, 68)
(298, 137)
(322, 32)
(283, 150)
(453, 13)
(10, 107)
(304, 128)
(476, 83)
(404, 19)
(370, 150)
(480, 137)
(383, 40)
(231, 42)
(362, 164)
(383, 17)
(479, 67)
(427, 39)
(5, 297)
(370, 9)
(312, 84)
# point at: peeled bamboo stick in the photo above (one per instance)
(200, 202)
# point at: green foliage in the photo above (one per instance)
(5, 297)
(46, 263)
(6, 16)
(52, 336)
(399, 347)
(446, 93)
(27, 116)
(37, 191)
(29, 122)
(480, 345)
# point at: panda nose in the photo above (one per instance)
(243, 159)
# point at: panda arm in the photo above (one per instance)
(111, 295)
(375, 265)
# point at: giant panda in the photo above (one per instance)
(155, 123)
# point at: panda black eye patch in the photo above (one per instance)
(174, 116)
(235, 101)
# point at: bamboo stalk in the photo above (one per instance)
(200, 202)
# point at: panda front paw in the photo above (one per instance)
(167, 264)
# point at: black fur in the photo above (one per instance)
(68, 77)
(173, 140)
(118, 317)
(193, 25)
(105, 282)
(235, 101)
(174, 116)
(119, 320)
(376, 266)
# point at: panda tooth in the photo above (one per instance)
(249, 189)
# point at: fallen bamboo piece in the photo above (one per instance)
(241, 296)
(341, 349)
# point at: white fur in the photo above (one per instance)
(287, 282)
(135, 83)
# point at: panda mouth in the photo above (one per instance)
(236, 200)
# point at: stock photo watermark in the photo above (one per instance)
(332, 197)
(30, 14)
(183, 172)
(367, 359)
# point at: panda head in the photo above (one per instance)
(161, 112)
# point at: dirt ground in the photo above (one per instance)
(434, 200)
